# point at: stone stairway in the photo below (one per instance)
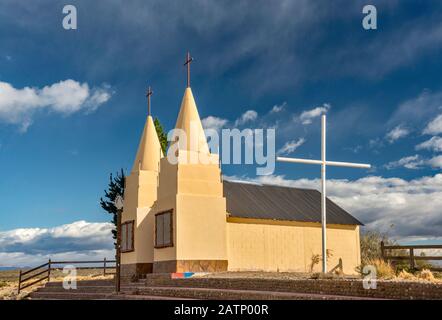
(92, 290)
(162, 287)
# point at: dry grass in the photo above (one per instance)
(427, 275)
(9, 279)
(384, 270)
(404, 275)
(423, 275)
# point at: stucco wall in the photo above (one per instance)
(140, 195)
(270, 245)
(194, 192)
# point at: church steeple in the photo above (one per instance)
(189, 120)
(149, 150)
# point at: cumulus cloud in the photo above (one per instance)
(434, 126)
(291, 146)
(397, 133)
(434, 144)
(78, 239)
(248, 116)
(415, 162)
(278, 108)
(411, 206)
(410, 162)
(17, 106)
(215, 123)
(22, 259)
(307, 117)
(436, 162)
(418, 110)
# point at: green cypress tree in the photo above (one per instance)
(162, 136)
(115, 188)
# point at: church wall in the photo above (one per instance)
(167, 186)
(199, 218)
(140, 194)
(167, 190)
(168, 253)
(201, 233)
(269, 245)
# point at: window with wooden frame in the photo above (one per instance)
(127, 236)
(164, 229)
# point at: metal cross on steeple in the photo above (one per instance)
(324, 163)
(189, 59)
(148, 94)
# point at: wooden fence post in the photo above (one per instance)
(104, 267)
(412, 265)
(49, 270)
(382, 250)
(19, 282)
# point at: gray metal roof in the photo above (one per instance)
(260, 201)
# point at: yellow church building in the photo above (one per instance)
(183, 217)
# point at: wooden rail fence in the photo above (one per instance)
(43, 272)
(411, 257)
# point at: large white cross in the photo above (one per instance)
(324, 163)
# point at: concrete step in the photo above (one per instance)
(94, 296)
(233, 294)
(67, 295)
(92, 290)
(302, 287)
(79, 289)
(84, 283)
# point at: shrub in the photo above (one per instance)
(371, 245)
(406, 275)
(384, 270)
(426, 274)
(316, 258)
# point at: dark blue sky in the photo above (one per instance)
(249, 55)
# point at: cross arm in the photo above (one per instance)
(328, 163)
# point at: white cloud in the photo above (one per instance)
(415, 162)
(278, 108)
(307, 117)
(375, 143)
(22, 259)
(397, 133)
(436, 162)
(77, 239)
(291, 146)
(435, 144)
(434, 126)
(17, 106)
(248, 116)
(412, 206)
(410, 162)
(418, 110)
(215, 123)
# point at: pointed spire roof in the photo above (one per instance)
(189, 121)
(149, 151)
